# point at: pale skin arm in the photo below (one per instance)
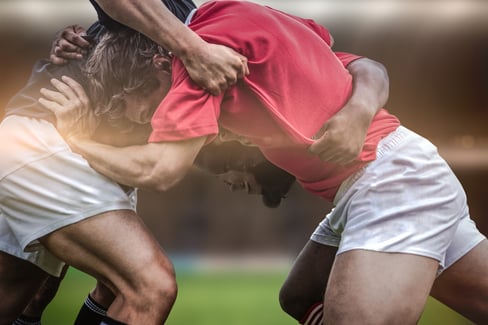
(157, 166)
(341, 139)
(213, 67)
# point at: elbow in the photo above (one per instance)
(382, 74)
(385, 90)
(378, 72)
(163, 180)
(165, 184)
(382, 71)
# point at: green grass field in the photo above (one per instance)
(209, 298)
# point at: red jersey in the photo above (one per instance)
(296, 83)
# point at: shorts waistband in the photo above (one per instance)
(384, 146)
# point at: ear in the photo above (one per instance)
(162, 62)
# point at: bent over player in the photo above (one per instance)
(398, 182)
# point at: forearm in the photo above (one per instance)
(156, 166)
(341, 138)
(113, 162)
(152, 18)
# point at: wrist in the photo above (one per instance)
(75, 141)
(188, 45)
(359, 113)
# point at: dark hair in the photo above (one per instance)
(274, 181)
(120, 64)
(218, 159)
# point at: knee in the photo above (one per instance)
(102, 295)
(286, 300)
(166, 286)
(295, 303)
(157, 285)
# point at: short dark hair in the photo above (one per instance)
(218, 159)
(275, 182)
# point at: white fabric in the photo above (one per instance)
(45, 186)
(406, 201)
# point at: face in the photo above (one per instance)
(238, 181)
(140, 109)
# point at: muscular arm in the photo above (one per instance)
(152, 165)
(341, 139)
(371, 87)
(152, 18)
(214, 67)
(156, 166)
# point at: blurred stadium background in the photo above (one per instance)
(436, 53)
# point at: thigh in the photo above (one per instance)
(468, 276)
(44, 186)
(102, 295)
(367, 287)
(19, 281)
(307, 280)
(115, 247)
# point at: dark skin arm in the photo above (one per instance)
(214, 67)
(341, 139)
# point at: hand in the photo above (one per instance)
(217, 68)
(69, 45)
(341, 138)
(71, 106)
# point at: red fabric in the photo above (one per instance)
(315, 315)
(296, 83)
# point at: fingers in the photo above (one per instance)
(331, 149)
(241, 69)
(218, 86)
(336, 157)
(69, 45)
(64, 89)
(53, 96)
(54, 107)
(244, 67)
(77, 88)
(74, 35)
(229, 67)
(69, 51)
(69, 91)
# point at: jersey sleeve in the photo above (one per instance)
(347, 58)
(186, 112)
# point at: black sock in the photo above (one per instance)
(27, 320)
(91, 313)
(109, 321)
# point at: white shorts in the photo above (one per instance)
(408, 200)
(44, 186)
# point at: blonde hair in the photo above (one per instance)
(119, 65)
